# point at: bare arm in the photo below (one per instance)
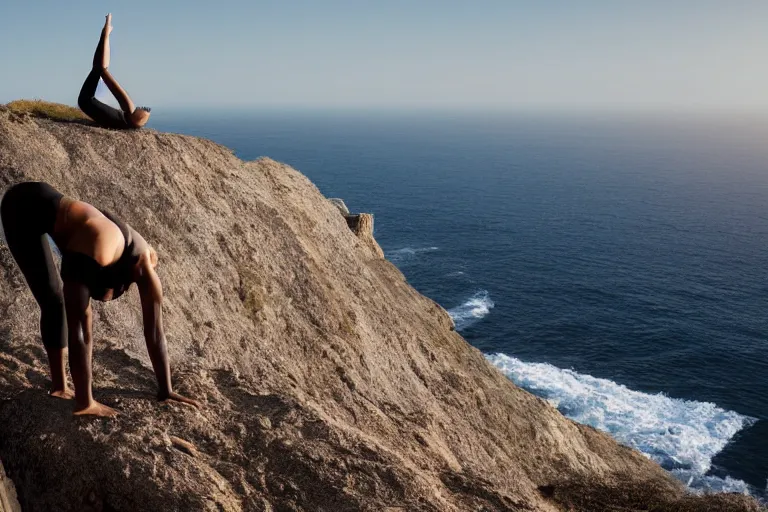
(151, 293)
(79, 320)
(120, 94)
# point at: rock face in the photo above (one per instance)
(328, 382)
(8, 502)
(361, 225)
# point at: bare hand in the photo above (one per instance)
(66, 393)
(97, 409)
(175, 397)
(108, 23)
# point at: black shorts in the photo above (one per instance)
(30, 207)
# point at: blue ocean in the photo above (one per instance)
(616, 265)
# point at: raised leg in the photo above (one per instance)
(103, 114)
(101, 57)
(100, 63)
(101, 60)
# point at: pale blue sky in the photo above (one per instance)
(698, 54)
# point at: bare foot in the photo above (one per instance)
(96, 409)
(108, 23)
(66, 393)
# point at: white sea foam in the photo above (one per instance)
(709, 483)
(681, 435)
(407, 253)
(475, 308)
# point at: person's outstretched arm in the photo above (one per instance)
(151, 293)
(77, 301)
(120, 94)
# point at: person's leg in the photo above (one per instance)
(53, 319)
(57, 361)
(100, 63)
(32, 252)
(103, 114)
(101, 57)
(88, 93)
(35, 260)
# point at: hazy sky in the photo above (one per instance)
(397, 53)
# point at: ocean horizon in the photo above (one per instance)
(612, 264)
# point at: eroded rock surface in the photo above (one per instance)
(8, 502)
(328, 382)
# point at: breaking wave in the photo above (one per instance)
(474, 309)
(681, 435)
(399, 256)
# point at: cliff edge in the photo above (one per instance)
(328, 382)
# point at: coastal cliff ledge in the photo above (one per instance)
(327, 382)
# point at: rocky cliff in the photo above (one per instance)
(8, 501)
(327, 382)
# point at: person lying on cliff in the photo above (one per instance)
(129, 116)
(101, 257)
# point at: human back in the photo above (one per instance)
(83, 228)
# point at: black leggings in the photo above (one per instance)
(103, 114)
(28, 212)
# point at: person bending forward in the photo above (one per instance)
(101, 258)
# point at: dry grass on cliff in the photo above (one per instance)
(48, 110)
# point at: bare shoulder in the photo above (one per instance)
(140, 244)
(147, 257)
